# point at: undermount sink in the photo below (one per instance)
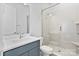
(15, 40)
(12, 40)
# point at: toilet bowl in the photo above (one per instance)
(45, 50)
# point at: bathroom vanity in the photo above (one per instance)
(22, 47)
(30, 49)
(14, 24)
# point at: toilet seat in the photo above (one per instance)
(46, 49)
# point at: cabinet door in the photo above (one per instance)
(35, 52)
(23, 50)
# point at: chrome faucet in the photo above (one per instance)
(21, 36)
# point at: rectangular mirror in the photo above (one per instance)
(15, 18)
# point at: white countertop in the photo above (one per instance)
(13, 43)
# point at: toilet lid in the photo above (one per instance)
(46, 49)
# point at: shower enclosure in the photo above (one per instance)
(50, 29)
(58, 27)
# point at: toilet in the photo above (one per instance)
(45, 50)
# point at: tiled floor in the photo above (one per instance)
(58, 51)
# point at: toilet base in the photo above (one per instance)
(44, 54)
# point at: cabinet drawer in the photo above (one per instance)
(19, 50)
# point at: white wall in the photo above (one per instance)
(21, 19)
(1, 13)
(64, 15)
(35, 19)
(9, 19)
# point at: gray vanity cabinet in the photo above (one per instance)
(31, 49)
(34, 51)
(25, 54)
